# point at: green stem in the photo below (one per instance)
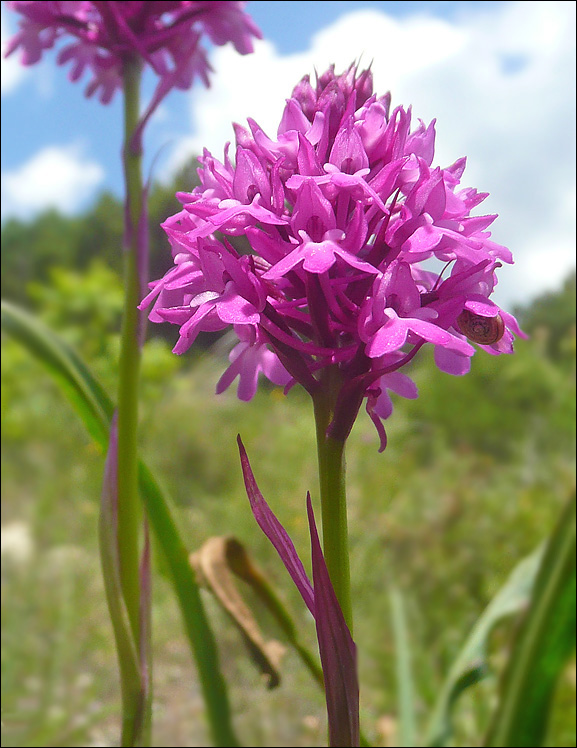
(129, 510)
(331, 462)
(136, 700)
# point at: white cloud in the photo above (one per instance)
(499, 79)
(59, 177)
(12, 72)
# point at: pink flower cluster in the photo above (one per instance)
(164, 35)
(341, 210)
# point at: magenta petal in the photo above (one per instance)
(273, 369)
(452, 362)
(389, 338)
(438, 336)
(337, 650)
(401, 384)
(275, 532)
(283, 266)
(482, 307)
(380, 405)
(234, 370)
(319, 257)
(232, 308)
(384, 402)
(513, 325)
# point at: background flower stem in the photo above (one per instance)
(136, 697)
(331, 462)
(129, 510)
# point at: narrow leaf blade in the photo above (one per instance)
(196, 624)
(471, 664)
(145, 650)
(405, 683)
(275, 532)
(82, 390)
(542, 646)
(128, 661)
(337, 650)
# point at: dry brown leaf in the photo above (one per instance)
(214, 564)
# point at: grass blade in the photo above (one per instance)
(405, 683)
(471, 665)
(82, 390)
(197, 627)
(542, 646)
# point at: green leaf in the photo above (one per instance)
(405, 683)
(542, 645)
(201, 638)
(82, 390)
(96, 410)
(471, 665)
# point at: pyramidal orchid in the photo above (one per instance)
(361, 252)
(341, 212)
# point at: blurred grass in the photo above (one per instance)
(474, 476)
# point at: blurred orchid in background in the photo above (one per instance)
(167, 37)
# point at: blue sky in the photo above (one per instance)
(498, 77)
